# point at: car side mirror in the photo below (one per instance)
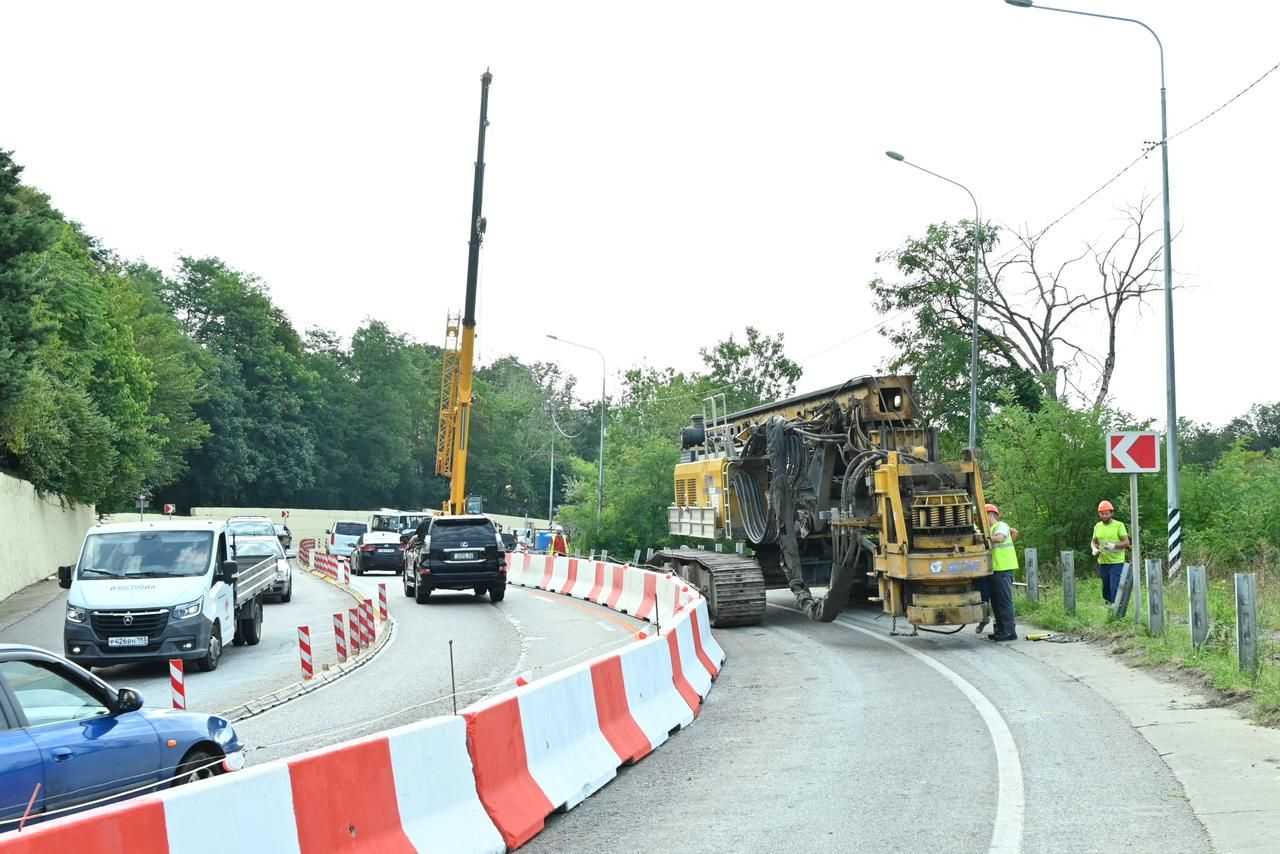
(229, 571)
(128, 700)
(64, 577)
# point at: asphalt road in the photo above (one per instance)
(244, 673)
(492, 643)
(838, 737)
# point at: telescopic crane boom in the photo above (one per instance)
(455, 382)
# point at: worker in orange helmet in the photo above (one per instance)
(1004, 560)
(1110, 539)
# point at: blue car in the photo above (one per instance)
(73, 741)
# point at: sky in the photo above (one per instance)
(659, 176)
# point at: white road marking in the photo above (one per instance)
(606, 625)
(1011, 802)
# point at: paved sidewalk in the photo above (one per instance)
(22, 604)
(1228, 767)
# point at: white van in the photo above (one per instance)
(156, 590)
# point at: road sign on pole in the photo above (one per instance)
(170, 509)
(1133, 452)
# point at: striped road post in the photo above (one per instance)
(357, 638)
(366, 621)
(304, 651)
(382, 601)
(177, 685)
(340, 637)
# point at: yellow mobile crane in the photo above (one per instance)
(453, 437)
(840, 488)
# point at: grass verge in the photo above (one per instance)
(1214, 667)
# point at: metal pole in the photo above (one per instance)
(1171, 427)
(551, 489)
(977, 248)
(1135, 539)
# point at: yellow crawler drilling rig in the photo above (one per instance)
(839, 488)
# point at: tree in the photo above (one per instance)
(754, 372)
(1030, 311)
(28, 226)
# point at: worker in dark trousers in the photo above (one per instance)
(1004, 560)
(1110, 539)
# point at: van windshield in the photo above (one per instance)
(146, 554)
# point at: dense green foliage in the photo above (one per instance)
(193, 386)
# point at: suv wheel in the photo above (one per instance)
(404, 578)
(498, 591)
(421, 593)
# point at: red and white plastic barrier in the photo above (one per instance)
(340, 637)
(177, 684)
(484, 780)
(306, 548)
(304, 651)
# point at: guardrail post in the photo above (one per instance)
(740, 548)
(604, 556)
(1068, 560)
(636, 558)
(592, 556)
(719, 547)
(1155, 597)
(1198, 601)
(1247, 621)
(648, 557)
(1121, 606)
(1032, 559)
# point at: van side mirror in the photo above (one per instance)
(64, 577)
(229, 571)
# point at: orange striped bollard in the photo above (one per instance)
(340, 637)
(382, 601)
(304, 651)
(177, 685)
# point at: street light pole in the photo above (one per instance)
(604, 373)
(973, 348)
(1171, 428)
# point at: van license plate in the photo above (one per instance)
(464, 555)
(131, 640)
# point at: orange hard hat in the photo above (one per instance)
(991, 508)
(1105, 506)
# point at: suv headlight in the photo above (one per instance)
(189, 610)
(76, 615)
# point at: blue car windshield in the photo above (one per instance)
(146, 554)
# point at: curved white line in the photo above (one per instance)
(1011, 802)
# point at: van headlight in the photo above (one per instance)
(76, 615)
(189, 610)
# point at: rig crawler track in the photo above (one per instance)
(733, 584)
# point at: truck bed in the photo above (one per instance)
(254, 580)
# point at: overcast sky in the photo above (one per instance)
(661, 175)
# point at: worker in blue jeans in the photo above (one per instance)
(1004, 560)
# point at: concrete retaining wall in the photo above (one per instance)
(37, 535)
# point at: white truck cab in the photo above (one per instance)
(158, 590)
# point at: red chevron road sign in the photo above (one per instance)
(1133, 452)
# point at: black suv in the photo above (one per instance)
(458, 553)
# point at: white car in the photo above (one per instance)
(342, 536)
(254, 549)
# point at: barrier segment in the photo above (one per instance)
(250, 810)
(655, 704)
(432, 767)
(344, 799)
(569, 757)
(617, 724)
(495, 740)
(698, 676)
(632, 596)
(304, 651)
(709, 650)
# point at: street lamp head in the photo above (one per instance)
(893, 155)
(1021, 4)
